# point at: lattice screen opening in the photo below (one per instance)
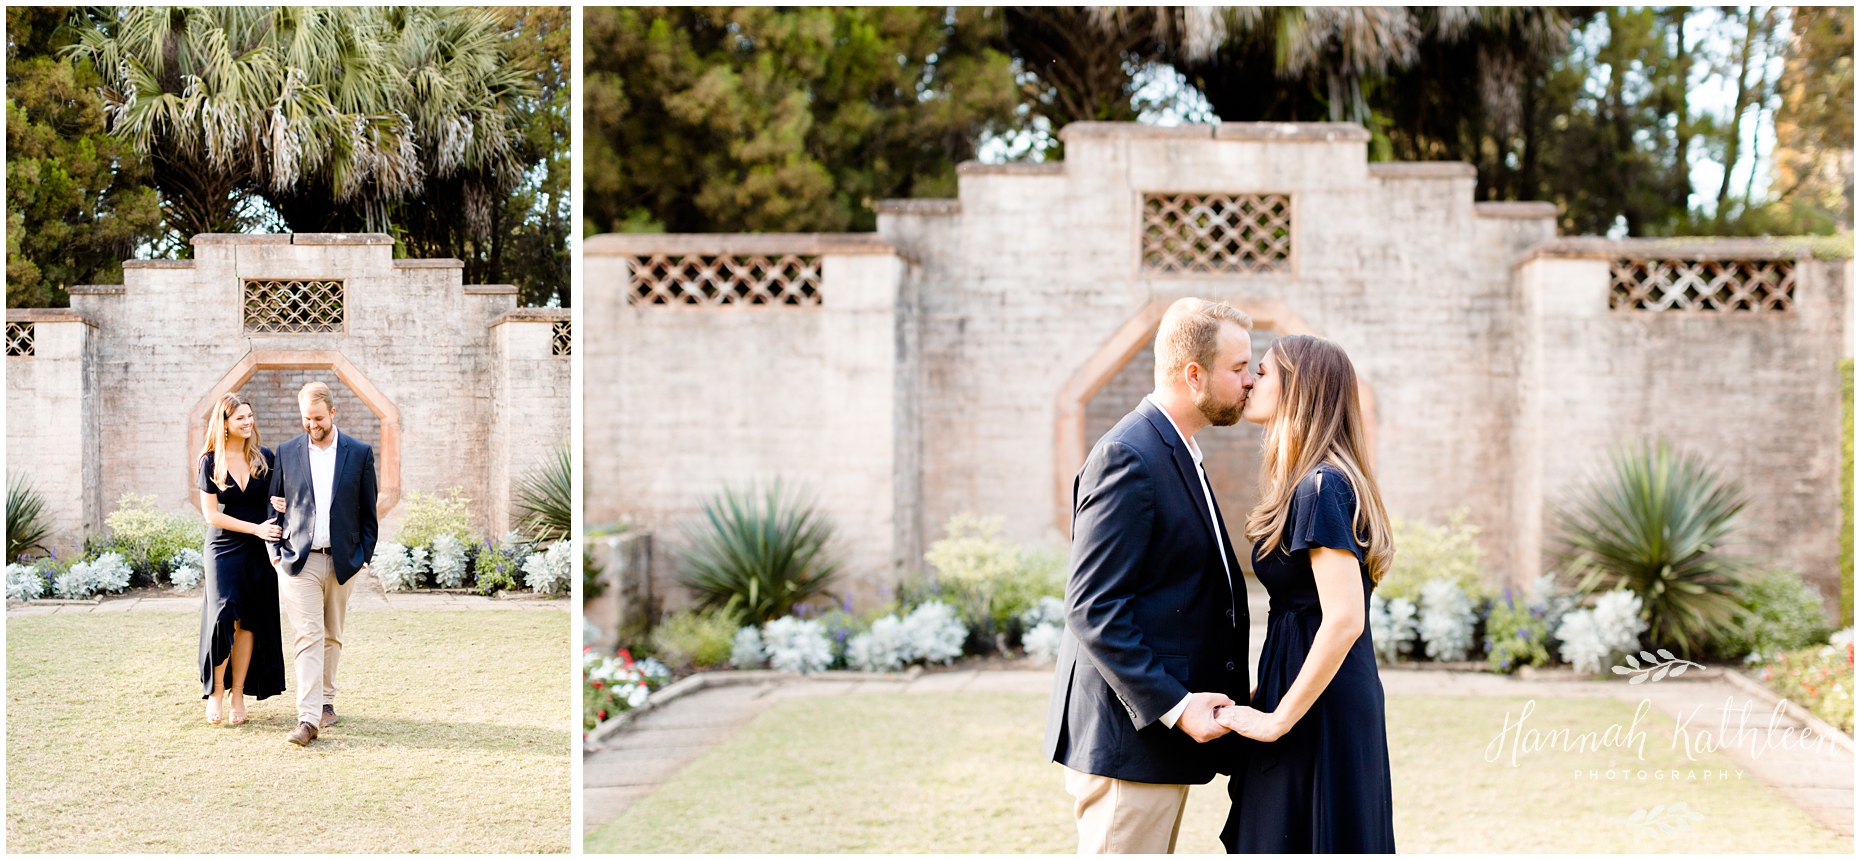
(19, 340)
(1724, 286)
(560, 343)
(293, 307)
(714, 281)
(1217, 233)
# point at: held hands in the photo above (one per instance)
(269, 530)
(1251, 723)
(1197, 720)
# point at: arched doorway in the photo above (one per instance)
(270, 379)
(1123, 371)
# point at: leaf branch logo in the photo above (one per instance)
(1657, 667)
(1667, 820)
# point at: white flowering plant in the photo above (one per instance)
(1593, 638)
(1446, 620)
(185, 569)
(24, 582)
(449, 562)
(797, 645)
(612, 683)
(394, 566)
(547, 572)
(1391, 627)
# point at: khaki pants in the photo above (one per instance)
(1117, 816)
(316, 605)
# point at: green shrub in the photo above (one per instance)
(1776, 611)
(499, 565)
(148, 536)
(692, 639)
(1424, 553)
(757, 553)
(1515, 635)
(991, 580)
(1655, 524)
(427, 517)
(27, 524)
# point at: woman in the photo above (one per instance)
(1315, 776)
(239, 613)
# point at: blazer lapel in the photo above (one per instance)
(1184, 462)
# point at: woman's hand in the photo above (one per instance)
(1252, 723)
(268, 530)
(278, 502)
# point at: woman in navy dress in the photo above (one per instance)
(239, 612)
(1314, 776)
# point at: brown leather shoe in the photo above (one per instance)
(329, 716)
(303, 734)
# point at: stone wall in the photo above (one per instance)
(51, 420)
(273, 395)
(412, 346)
(1022, 322)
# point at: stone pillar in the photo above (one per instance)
(51, 418)
(530, 406)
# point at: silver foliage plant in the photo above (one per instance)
(547, 572)
(185, 569)
(1447, 618)
(394, 568)
(448, 562)
(931, 633)
(1594, 637)
(797, 645)
(1044, 624)
(1391, 627)
(106, 573)
(23, 582)
(883, 648)
(746, 650)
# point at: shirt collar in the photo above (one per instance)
(334, 440)
(1193, 449)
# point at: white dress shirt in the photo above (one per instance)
(1194, 451)
(323, 485)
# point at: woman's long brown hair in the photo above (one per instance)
(215, 442)
(1319, 420)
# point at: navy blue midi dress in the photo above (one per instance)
(1324, 786)
(241, 585)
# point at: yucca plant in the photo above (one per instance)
(546, 497)
(757, 552)
(26, 522)
(1655, 523)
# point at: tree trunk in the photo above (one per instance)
(1732, 143)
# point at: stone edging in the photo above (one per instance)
(1762, 691)
(727, 678)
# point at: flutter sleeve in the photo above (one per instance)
(1324, 514)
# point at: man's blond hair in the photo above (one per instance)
(1191, 331)
(314, 392)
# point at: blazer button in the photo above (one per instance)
(1230, 667)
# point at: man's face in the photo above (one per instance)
(1223, 388)
(319, 419)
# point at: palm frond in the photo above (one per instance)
(546, 497)
(758, 552)
(27, 524)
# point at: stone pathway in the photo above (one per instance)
(367, 597)
(645, 754)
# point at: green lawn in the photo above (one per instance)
(455, 737)
(963, 773)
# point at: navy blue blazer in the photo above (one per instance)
(1150, 614)
(352, 523)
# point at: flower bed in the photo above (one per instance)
(1821, 680)
(614, 683)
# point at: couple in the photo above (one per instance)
(324, 485)
(1151, 692)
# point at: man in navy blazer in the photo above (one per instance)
(325, 486)
(1156, 622)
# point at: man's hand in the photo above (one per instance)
(1197, 719)
(278, 502)
(1253, 723)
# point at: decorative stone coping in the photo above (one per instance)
(919, 206)
(292, 239)
(1314, 132)
(99, 290)
(434, 263)
(1686, 248)
(1017, 168)
(1084, 130)
(548, 315)
(46, 315)
(734, 244)
(1422, 170)
(158, 264)
(1514, 209)
(490, 289)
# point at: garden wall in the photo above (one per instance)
(1023, 302)
(416, 347)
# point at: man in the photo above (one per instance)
(325, 486)
(1156, 623)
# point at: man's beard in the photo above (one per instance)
(318, 434)
(1220, 415)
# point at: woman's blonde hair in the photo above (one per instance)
(1319, 420)
(216, 441)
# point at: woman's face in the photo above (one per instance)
(239, 424)
(1263, 402)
